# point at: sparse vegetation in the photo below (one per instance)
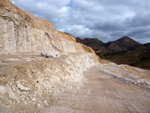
(121, 51)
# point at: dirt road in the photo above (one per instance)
(102, 94)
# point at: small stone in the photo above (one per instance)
(59, 98)
(33, 99)
(2, 90)
(23, 88)
(39, 105)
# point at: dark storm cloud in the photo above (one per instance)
(103, 19)
(139, 20)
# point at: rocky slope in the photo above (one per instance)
(40, 65)
(119, 45)
(139, 57)
(36, 60)
(122, 51)
(35, 84)
(22, 32)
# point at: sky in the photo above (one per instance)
(106, 20)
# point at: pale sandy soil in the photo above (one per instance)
(8, 61)
(101, 94)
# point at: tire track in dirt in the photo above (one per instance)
(103, 94)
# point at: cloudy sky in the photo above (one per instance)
(103, 19)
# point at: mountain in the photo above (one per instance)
(147, 45)
(122, 51)
(94, 43)
(121, 44)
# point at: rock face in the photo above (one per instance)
(22, 32)
(31, 82)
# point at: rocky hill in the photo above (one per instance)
(36, 60)
(22, 32)
(122, 51)
(121, 44)
(43, 70)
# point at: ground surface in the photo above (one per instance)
(102, 94)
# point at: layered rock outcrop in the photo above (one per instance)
(22, 32)
(34, 82)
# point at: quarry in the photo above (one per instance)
(43, 70)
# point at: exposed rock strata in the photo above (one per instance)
(22, 32)
(35, 83)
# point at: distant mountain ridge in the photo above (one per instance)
(121, 44)
(122, 51)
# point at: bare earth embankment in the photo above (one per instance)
(41, 71)
(102, 94)
(104, 88)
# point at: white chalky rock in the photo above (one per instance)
(2, 89)
(23, 88)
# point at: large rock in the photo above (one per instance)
(36, 83)
(22, 32)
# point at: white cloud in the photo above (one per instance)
(103, 19)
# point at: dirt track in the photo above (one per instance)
(102, 94)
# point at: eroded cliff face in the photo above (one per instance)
(34, 81)
(22, 32)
